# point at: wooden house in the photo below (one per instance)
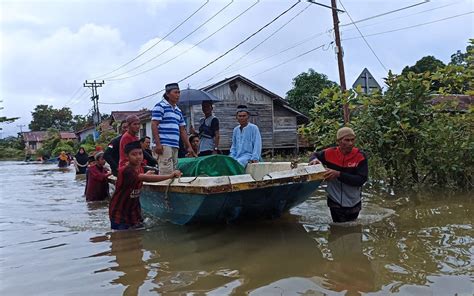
(34, 140)
(277, 121)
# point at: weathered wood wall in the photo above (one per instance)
(277, 125)
(284, 127)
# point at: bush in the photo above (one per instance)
(7, 153)
(410, 142)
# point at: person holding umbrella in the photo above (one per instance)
(167, 126)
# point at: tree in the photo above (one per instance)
(428, 63)
(45, 117)
(461, 59)
(80, 122)
(306, 88)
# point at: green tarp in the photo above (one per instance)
(212, 166)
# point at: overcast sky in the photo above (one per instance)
(49, 48)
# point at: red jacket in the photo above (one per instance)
(97, 184)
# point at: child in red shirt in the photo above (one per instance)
(124, 207)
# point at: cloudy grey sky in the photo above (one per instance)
(50, 47)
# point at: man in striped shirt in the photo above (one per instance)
(167, 126)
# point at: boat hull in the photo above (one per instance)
(223, 207)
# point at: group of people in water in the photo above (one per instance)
(128, 156)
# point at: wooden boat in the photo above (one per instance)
(267, 190)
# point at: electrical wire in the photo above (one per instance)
(73, 96)
(382, 14)
(260, 43)
(289, 60)
(344, 39)
(256, 61)
(240, 43)
(363, 37)
(401, 17)
(156, 43)
(216, 59)
(187, 50)
(413, 26)
(172, 46)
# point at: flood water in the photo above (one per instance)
(54, 243)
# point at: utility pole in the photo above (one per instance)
(21, 127)
(339, 51)
(340, 54)
(95, 98)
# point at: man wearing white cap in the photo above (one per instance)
(347, 171)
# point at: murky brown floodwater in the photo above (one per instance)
(53, 243)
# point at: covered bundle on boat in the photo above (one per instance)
(210, 166)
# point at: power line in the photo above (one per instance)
(187, 50)
(401, 17)
(292, 59)
(256, 61)
(158, 42)
(304, 41)
(216, 59)
(172, 46)
(382, 14)
(363, 37)
(413, 26)
(78, 99)
(260, 43)
(72, 96)
(240, 43)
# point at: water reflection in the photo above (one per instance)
(350, 269)
(426, 247)
(246, 257)
(127, 249)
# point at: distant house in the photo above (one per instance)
(277, 121)
(85, 132)
(145, 120)
(455, 103)
(34, 140)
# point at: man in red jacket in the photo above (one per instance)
(97, 183)
(347, 171)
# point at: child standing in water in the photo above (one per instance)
(124, 207)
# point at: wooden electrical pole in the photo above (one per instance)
(339, 51)
(340, 55)
(95, 98)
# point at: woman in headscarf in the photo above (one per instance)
(81, 160)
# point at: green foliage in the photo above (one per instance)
(80, 122)
(410, 142)
(45, 117)
(63, 146)
(11, 148)
(461, 59)
(327, 116)
(425, 64)
(51, 141)
(306, 88)
(105, 137)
